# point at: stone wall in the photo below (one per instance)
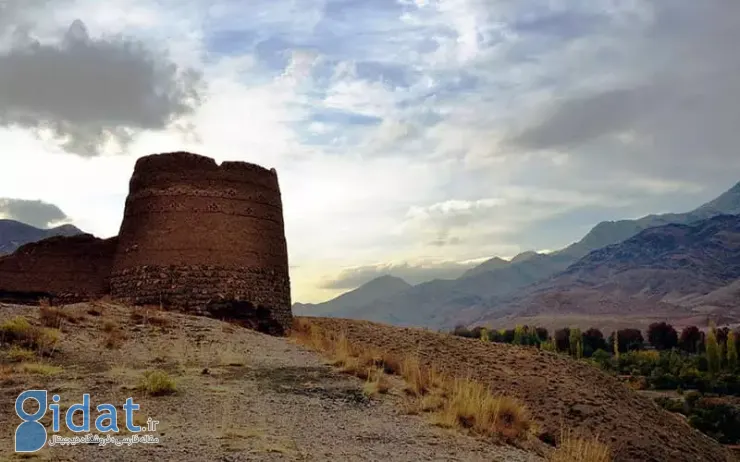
(196, 234)
(63, 269)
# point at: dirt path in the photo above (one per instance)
(240, 396)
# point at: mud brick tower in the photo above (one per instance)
(206, 239)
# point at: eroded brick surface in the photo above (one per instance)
(64, 269)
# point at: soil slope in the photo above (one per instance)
(558, 391)
(241, 395)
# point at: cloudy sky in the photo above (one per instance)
(410, 136)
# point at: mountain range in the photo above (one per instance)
(680, 272)
(14, 234)
(661, 264)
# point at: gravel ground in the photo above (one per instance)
(240, 396)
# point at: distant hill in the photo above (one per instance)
(440, 302)
(705, 253)
(14, 234)
(367, 293)
(490, 285)
(491, 264)
(611, 232)
(525, 256)
(675, 268)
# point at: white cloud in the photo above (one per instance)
(390, 124)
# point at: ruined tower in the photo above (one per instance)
(204, 238)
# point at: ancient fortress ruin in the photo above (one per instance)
(67, 269)
(196, 237)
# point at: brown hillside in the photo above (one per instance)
(558, 390)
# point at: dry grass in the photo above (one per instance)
(114, 336)
(472, 405)
(18, 354)
(456, 403)
(6, 371)
(20, 332)
(38, 369)
(420, 380)
(15, 329)
(157, 383)
(574, 449)
(230, 357)
(148, 316)
(376, 383)
(342, 353)
(55, 317)
(114, 339)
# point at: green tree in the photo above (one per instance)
(732, 362)
(690, 340)
(662, 336)
(562, 339)
(484, 335)
(593, 340)
(714, 355)
(576, 343)
(519, 335)
(615, 344)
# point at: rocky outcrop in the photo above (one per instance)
(65, 269)
(196, 235)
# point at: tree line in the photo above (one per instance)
(720, 346)
(705, 364)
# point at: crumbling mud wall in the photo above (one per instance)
(204, 238)
(63, 269)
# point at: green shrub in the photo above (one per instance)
(157, 383)
(18, 331)
(692, 397)
(670, 404)
(663, 381)
(602, 358)
(690, 377)
(716, 418)
(548, 345)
